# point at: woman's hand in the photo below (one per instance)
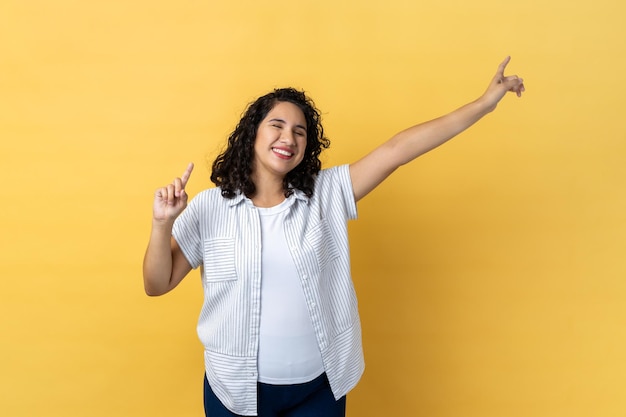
(171, 200)
(501, 84)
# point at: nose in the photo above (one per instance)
(288, 137)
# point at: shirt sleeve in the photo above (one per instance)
(345, 181)
(187, 233)
(334, 189)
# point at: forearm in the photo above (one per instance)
(157, 263)
(409, 144)
(417, 140)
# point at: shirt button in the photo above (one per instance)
(305, 277)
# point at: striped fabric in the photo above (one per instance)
(223, 237)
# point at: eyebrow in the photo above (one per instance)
(282, 121)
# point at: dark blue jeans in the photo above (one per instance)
(311, 399)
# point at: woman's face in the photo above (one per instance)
(280, 141)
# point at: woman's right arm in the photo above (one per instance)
(164, 265)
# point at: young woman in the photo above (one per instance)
(280, 324)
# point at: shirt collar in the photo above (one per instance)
(299, 195)
(239, 197)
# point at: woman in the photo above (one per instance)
(280, 323)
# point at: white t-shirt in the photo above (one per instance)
(288, 348)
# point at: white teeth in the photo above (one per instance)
(282, 152)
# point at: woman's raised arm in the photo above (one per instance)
(164, 265)
(408, 144)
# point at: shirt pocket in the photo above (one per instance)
(320, 240)
(219, 259)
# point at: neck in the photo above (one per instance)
(269, 193)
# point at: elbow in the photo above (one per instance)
(153, 290)
(152, 293)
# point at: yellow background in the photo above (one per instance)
(490, 273)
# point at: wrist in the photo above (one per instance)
(485, 105)
(163, 224)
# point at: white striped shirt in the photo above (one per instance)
(223, 236)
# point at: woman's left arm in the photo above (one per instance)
(407, 145)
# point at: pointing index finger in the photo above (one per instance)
(502, 66)
(186, 174)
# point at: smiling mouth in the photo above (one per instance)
(282, 152)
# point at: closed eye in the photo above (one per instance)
(276, 122)
(279, 124)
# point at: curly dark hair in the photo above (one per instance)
(232, 169)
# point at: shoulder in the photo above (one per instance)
(335, 172)
(209, 193)
(337, 176)
(333, 193)
(334, 186)
(209, 197)
(207, 206)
